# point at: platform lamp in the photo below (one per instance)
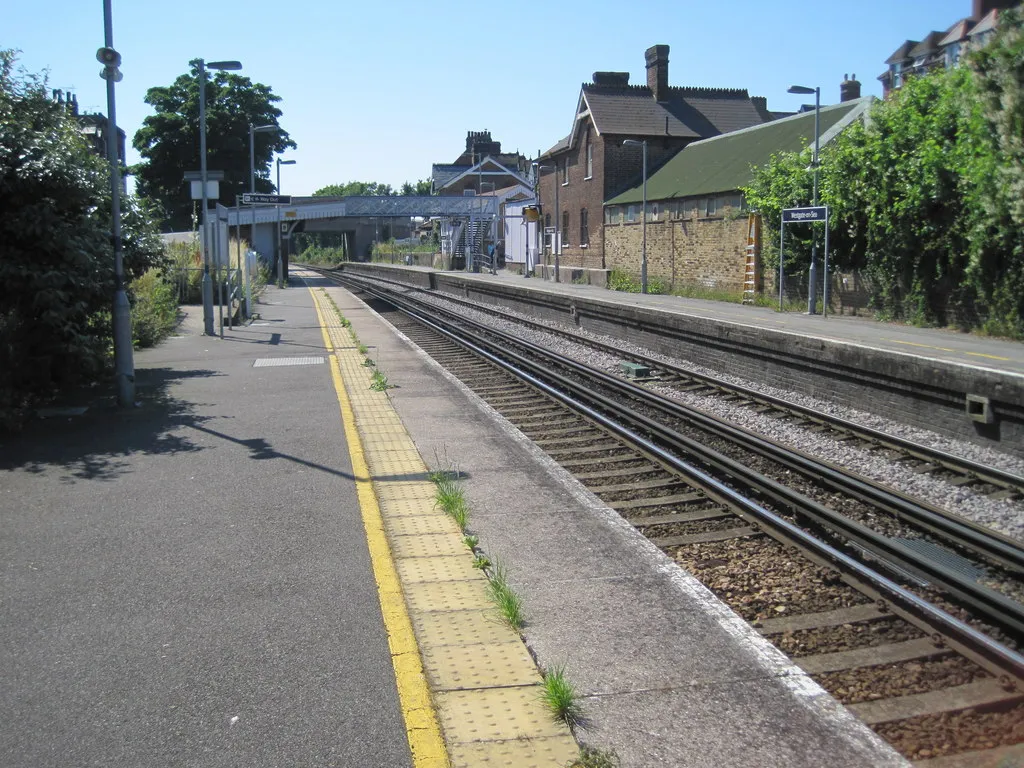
(253, 130)
(280, 250)
(812, 279)
(226, 66)
(643, 221)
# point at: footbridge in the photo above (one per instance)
(466, 223)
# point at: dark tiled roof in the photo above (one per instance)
(558, 147)
(726, 163)
(986, 24)
(689, 112)
(928, 45)
(957, 32)
(902, 52)
(440, 173)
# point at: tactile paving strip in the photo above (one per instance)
(428, 545)
(417, 525)
(418, 489)
(446, 596)
(485, 686)
(461, 628)
(496, 714)
(517, 753)
(487, 665)
(417, 570)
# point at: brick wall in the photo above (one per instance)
(615, 168)
(710, 252)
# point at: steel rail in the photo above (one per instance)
(959, 465)
(1004, 657)
(995, 607)
(976, 538)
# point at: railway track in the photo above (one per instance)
(959, 472)
(821, 586)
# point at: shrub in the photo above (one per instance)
(154, 308)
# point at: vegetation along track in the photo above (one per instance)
(927, 681)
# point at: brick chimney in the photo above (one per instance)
(657, 71)
(849, 89)
(981, 8)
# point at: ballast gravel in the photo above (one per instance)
(1005, 516)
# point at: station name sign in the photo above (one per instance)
(796, 215)
(253, 198)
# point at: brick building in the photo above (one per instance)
(697, 223)
(92, 126)
(591, 165)
(482, 167)
(943, 49)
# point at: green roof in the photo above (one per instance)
(725, 163)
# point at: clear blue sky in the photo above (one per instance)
(379, 90)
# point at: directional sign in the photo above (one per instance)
(251, 198)
(796, 215)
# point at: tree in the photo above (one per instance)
(169, 140)
(356, 189)
(374, 189)
(420, 189)
(56, 258)
(995, 175)
(896, 187)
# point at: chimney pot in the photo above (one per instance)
(849, 89)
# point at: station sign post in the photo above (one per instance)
(810, 215)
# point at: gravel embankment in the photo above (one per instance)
(1005, 516)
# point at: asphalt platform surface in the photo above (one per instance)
(188, 583)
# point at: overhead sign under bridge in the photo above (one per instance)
(358, 221)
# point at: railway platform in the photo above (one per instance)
(248, 569)
(965, 386)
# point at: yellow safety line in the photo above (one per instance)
(421, 723)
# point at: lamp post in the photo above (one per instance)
(207, 285)
(643, 221)
(280, 250)
(124, 362)
(253, 130)
(812, 299)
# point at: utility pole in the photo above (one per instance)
(124, 364)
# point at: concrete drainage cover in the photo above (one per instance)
(270, 362)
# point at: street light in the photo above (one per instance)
(124, 363)
(556, 238)
(253, 130)
(207, 285)
(643, 221)
(812, 299)
(280, 250)
(281, 162)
